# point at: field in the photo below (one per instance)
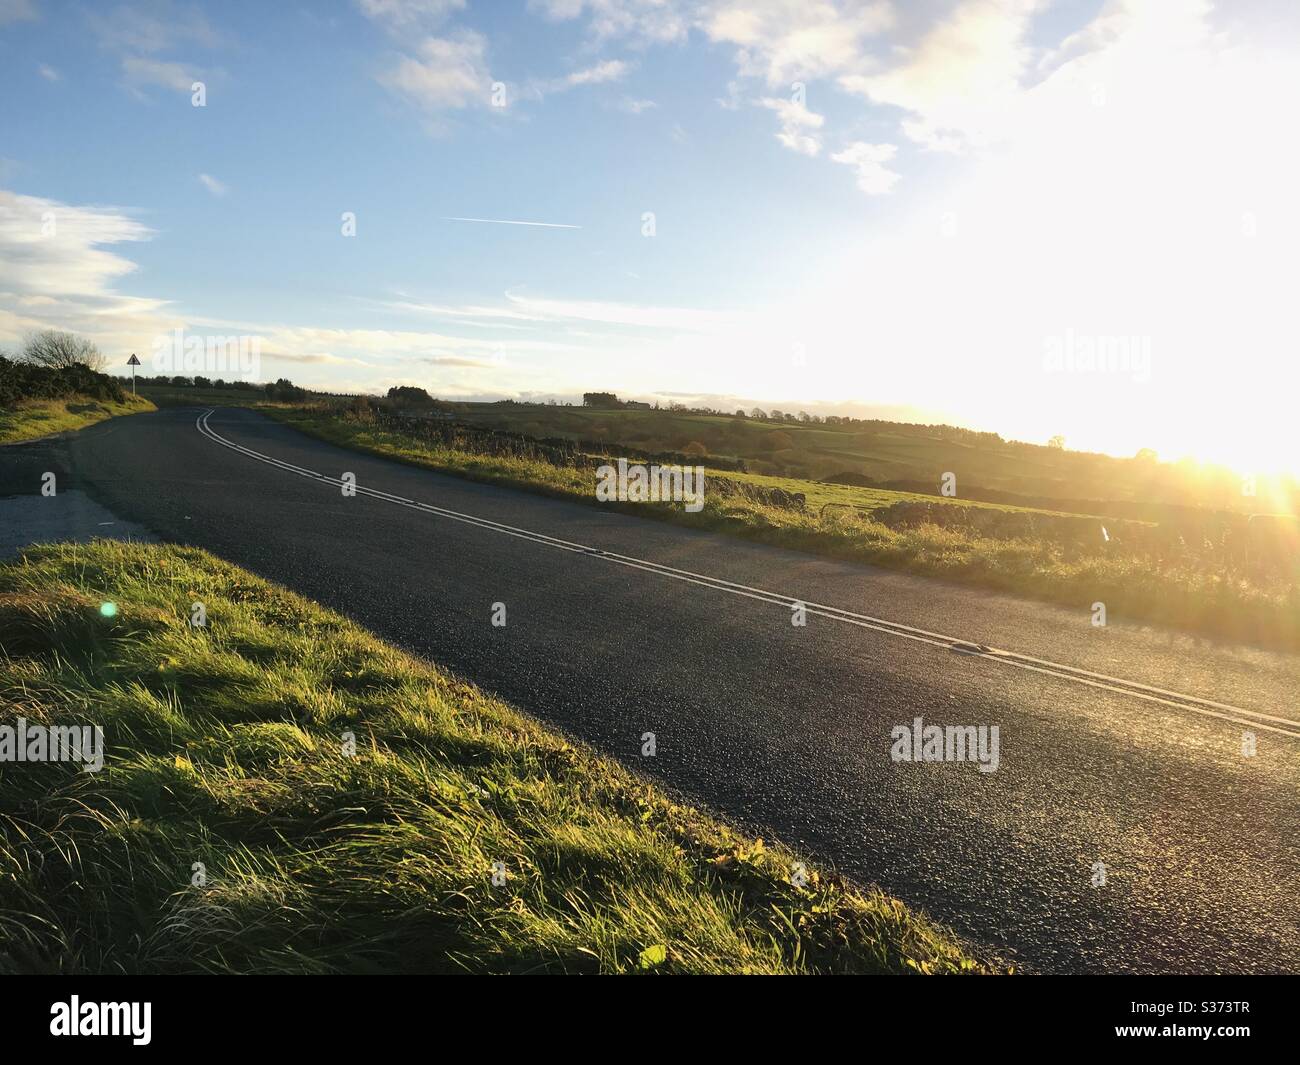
(282, 792)
(179, 396)
(1070, 560)
(35, 418)
(889, 453)
(819, 494)
(815, 450)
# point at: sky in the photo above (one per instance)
(1075, 217)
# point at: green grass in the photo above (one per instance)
(179, 396)
(226, 748)
(35, 418)
(819, 450)
(820, 495)
(887, 451)
(1183, 594)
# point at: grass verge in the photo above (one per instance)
(31, 419)
(1186, 594)
(226, 750)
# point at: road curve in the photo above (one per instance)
(1120, 745)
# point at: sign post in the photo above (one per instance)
(133, 362)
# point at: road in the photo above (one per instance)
(619, 625)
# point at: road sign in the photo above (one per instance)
(133, 362)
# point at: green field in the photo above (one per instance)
(181, 396)
(988, 469)
(284, 793)
(820, 495)
(35, 418)
(887, 452)
(1181, 589)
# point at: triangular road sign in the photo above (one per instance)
(133, 361)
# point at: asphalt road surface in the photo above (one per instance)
(1119, 745)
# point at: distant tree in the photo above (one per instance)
(1146, 454)
(202, 382)
(181, 381)
(741, 414)
(599, 399)
(695, 448)
(758, 414)
(55, 349)
(410, 394)
(285, 391)
(1057, 442)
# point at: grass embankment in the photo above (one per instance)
(225, 746)
(34, 418)
(1183, 594)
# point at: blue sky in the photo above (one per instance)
(885, 206)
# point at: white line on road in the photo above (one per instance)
(1207, 707)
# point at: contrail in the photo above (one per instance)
(509, 222)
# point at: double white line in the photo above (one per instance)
(1207, 707)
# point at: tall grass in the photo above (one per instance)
(30, 419)
(226, 756)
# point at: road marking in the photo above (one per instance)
(1207, 707)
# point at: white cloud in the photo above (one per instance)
(798, 125)
(53, 248)
(149, 28)
(48, 72)
(635, 107)
(168, 75)
(963, 79)
(867, 160)
(56, 273)
(214, 186)
(458, 360)
(476, 314)
(787, 40)
(140, 33)
(672, 318)
(654, 21)
(16, 11)
(445, 73)
(777, 42)
(536, 312)
(609, 70)
(434, 72)
(404, 14)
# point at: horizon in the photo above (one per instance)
(977, 213)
